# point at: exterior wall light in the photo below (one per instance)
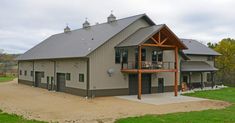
(110, 72)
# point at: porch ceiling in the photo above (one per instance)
(196, 66)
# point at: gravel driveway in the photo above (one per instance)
(36, 103)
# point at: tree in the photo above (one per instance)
(225, 62)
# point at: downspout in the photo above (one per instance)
(88, 78)
(33, 75)
(18, 70)
(55, 79)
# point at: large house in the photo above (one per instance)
(129, 56)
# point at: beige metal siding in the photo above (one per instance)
(74, 67)
(45, 66)
(103, 59)
(201, 58)
(169, 77)
(26, 66)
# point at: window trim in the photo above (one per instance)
(68, 76)
(118, 56)
(81, 77)
(126, 51)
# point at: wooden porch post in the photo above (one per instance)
(139, 72)
(176, 72)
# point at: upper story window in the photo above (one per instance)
(143, 54)
(210, 58)
(154, 55)
(124, 56)
(160, 56)
(121, 55)
(157, 56)
(117, 56)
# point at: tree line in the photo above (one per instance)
(226, 61)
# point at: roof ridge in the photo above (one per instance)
(105, 23)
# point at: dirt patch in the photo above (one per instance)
(36, 103)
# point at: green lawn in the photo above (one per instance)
(6, 79)
(12, 118)
(226, 115)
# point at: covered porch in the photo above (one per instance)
(158, 38)
(196, 73)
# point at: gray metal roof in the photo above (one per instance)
(80, 42)
(140, 36)
(196, 66)
(197, 48)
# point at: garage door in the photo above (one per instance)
(133, 84)
(60, 82)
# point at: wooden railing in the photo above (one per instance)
(148, 65)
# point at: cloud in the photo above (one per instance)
(25, 23)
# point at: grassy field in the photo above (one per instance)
(226, 115)
(6, 79)
(12, 118)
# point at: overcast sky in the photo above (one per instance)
(25, 23)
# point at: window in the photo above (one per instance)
(31, 73)
(20, 72)
(143, 57)
(81, 77)
(125, 56)
(185, 79)
(48, 79)
(42, 73)
(117, 56)
(68, 76)
(25, 72)
(154, 55)
(143, 53)
(160, 56)
(210, 58)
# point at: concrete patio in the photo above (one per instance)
(161, 98)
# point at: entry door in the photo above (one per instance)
(133, 84)
(160, 85)
(37, 79)
(60, 82)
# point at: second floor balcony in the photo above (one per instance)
(148, 66)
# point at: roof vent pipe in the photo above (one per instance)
(67, 29)
(111, 18)
(86, 24)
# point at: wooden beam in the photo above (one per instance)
(139, 72)
(147, 70)
(157, 45)
(155, 40)
(164, 41)
(159, 37)
(176, 72)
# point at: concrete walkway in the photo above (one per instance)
(161, 98)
